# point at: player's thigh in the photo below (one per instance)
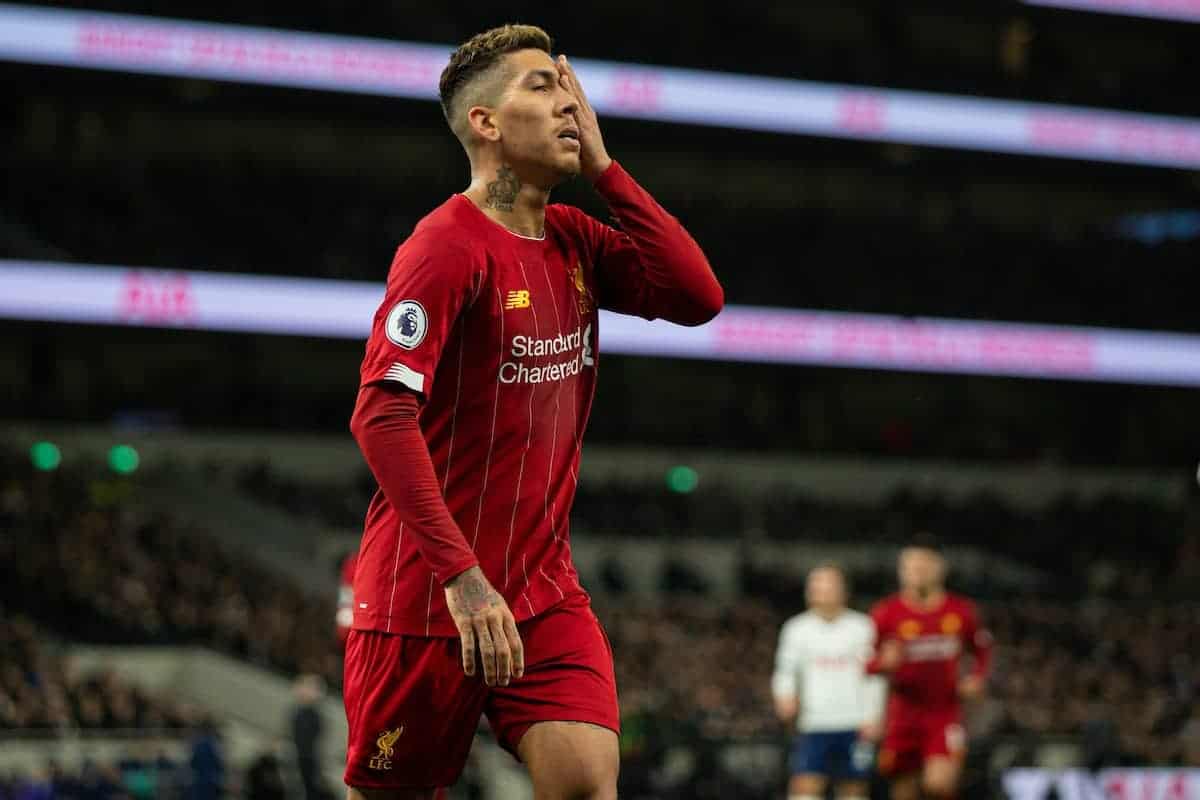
(571, 761)
(900, 757)
(411, 711)
(806, 783)
(902, 753)
(568, 677)
(943, 754)
(808, 763)
(941, 775)
(852, 766)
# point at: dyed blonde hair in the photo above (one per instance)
(476, 74)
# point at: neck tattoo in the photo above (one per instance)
(502, 192)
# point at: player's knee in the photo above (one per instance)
(941, 787)
(594, 782)
(579, 780)
(806, 786)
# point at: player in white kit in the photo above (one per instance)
(821, 686)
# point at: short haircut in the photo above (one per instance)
(926, 541)
(470, 77)
(833, 566)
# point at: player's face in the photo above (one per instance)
(535, 118)
(921, 570)
(826, 590)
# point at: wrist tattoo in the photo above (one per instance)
(502, 192)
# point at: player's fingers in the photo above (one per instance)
(571, 76)
(517, 646)
(503, 651)
(487, 651)
(467, 635)
(579, 90)
(573, 83)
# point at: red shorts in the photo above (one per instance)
(413, 711)
(913, 737)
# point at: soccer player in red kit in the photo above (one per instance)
(475, 392)
(922, 633)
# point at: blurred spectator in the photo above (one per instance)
(36, 786)
(307, 729)
(264, 778)
(40, 692)
(207, 763)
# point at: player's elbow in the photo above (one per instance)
(786, 709)
(712, 302)
(361, 426)
(705, 303)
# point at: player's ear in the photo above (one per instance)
(482, 121)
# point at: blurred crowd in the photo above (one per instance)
(40, 691)
(334, 504)
(141, 773)
(132, 778)
(125, 575)
(1067, 533)
(1120, 672)
(43, 693)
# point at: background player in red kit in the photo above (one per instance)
(344, 616)
(475, 392)
(922, 632)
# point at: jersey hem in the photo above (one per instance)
(445, 629)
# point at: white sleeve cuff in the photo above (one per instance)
(401, 374)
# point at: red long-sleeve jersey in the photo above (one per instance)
(933, 641)
(497, 335)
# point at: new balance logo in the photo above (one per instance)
(517, 299)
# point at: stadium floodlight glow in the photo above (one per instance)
(123, 459)
(1179, 10)
(157, 46)
(216, 301)
(682, 479)
(45, 456)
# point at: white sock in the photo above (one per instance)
(803, 797)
